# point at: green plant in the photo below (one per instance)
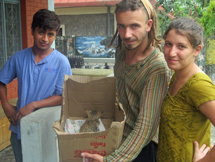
(168, 10)
(208, 19)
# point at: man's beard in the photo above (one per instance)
(129, 46)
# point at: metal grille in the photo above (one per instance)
(12, 28)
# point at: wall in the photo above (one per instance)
(86, 21)
(28, 8)
(83, 10)
(39, 140)
(87, 25)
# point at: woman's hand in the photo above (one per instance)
(199, 153)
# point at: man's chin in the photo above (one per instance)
(130, 47)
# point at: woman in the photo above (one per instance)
(189, 105)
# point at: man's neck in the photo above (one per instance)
(138, 54)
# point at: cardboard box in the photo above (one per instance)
(93, 93)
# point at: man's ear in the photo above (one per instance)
(149, 25)
(197, 50)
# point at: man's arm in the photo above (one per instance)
(146, 123)
(9, 110)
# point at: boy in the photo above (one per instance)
(40, 72)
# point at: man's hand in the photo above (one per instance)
(10, 112)
(199, 153)
(25, 111)
(94, 157)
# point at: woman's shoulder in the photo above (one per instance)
(200, 78)
(200, 83)
(197, 83)
(200, 89)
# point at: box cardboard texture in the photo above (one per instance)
(92, 93)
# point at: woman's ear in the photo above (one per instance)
(149, 25)
(197, 50)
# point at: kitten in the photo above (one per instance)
(91, 124)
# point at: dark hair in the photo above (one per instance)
(45, 19)
(189, 28)
(145, 5)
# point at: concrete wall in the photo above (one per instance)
(39, 141)
(87, 25)
(83, 10)
(86, 21)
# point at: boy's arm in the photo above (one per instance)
(51, 101)
(9, 110)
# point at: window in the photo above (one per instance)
(10, 29)
(61, 31)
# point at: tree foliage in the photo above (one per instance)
(208, 19)
(167, 10)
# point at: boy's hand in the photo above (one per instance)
(29, 108)
(10, 112)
